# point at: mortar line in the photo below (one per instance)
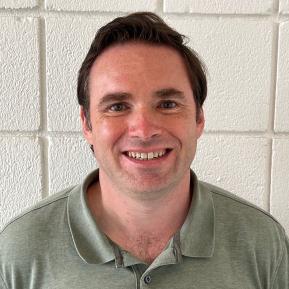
(272, 103)
(43, 109)
(42, 12)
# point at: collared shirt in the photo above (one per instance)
(225, 242)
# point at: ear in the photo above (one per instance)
(200, 123)
(86, 130)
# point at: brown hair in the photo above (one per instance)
(145, 27)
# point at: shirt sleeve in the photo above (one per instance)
(281, 280)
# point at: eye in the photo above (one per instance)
(118, 107)
(168, 104)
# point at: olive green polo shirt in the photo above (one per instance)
(225, 242)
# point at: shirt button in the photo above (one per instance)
(147, 279)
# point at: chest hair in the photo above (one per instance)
(145, 248)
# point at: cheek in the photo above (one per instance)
(108, 131)
(185, 127)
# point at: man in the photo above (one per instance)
(143, 219)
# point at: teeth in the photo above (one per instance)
(150, 156)
(146, 156)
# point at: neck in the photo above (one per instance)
(126, 220)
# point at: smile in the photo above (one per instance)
(146, 156)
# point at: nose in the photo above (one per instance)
(144, 124)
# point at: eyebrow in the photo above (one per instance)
(170, 92)
(122, 96)
(111, 97)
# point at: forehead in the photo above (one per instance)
(137, 51)
(138, 65)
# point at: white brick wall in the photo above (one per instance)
(280, 181)
(16, 4)
(245, 148)
(282, 94)
(19, 66)
(242, 170)
(219, 6)
(20, 175)
(284, 6)
(102, 5)
(66, 165)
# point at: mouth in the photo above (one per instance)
(147, 156)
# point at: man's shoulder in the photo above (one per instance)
(232, 204)
(36, 220)
(37, 234)
(240, 216)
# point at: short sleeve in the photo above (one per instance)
(281, 280)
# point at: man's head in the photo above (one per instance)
(143, 27)
(141, 106)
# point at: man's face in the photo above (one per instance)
(143, 118)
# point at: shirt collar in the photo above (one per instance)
(196, 235)
(90, 243)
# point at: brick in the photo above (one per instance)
(176, 6)
(220, 6)
(70, 159)
(280, 182)
(238, 56)
(19, 84)
(20, 174)
(282, 95)
(102, 5)
(68, 41)
(235, 163)
(284, 6)
(16, 4)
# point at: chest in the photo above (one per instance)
(190, 274)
